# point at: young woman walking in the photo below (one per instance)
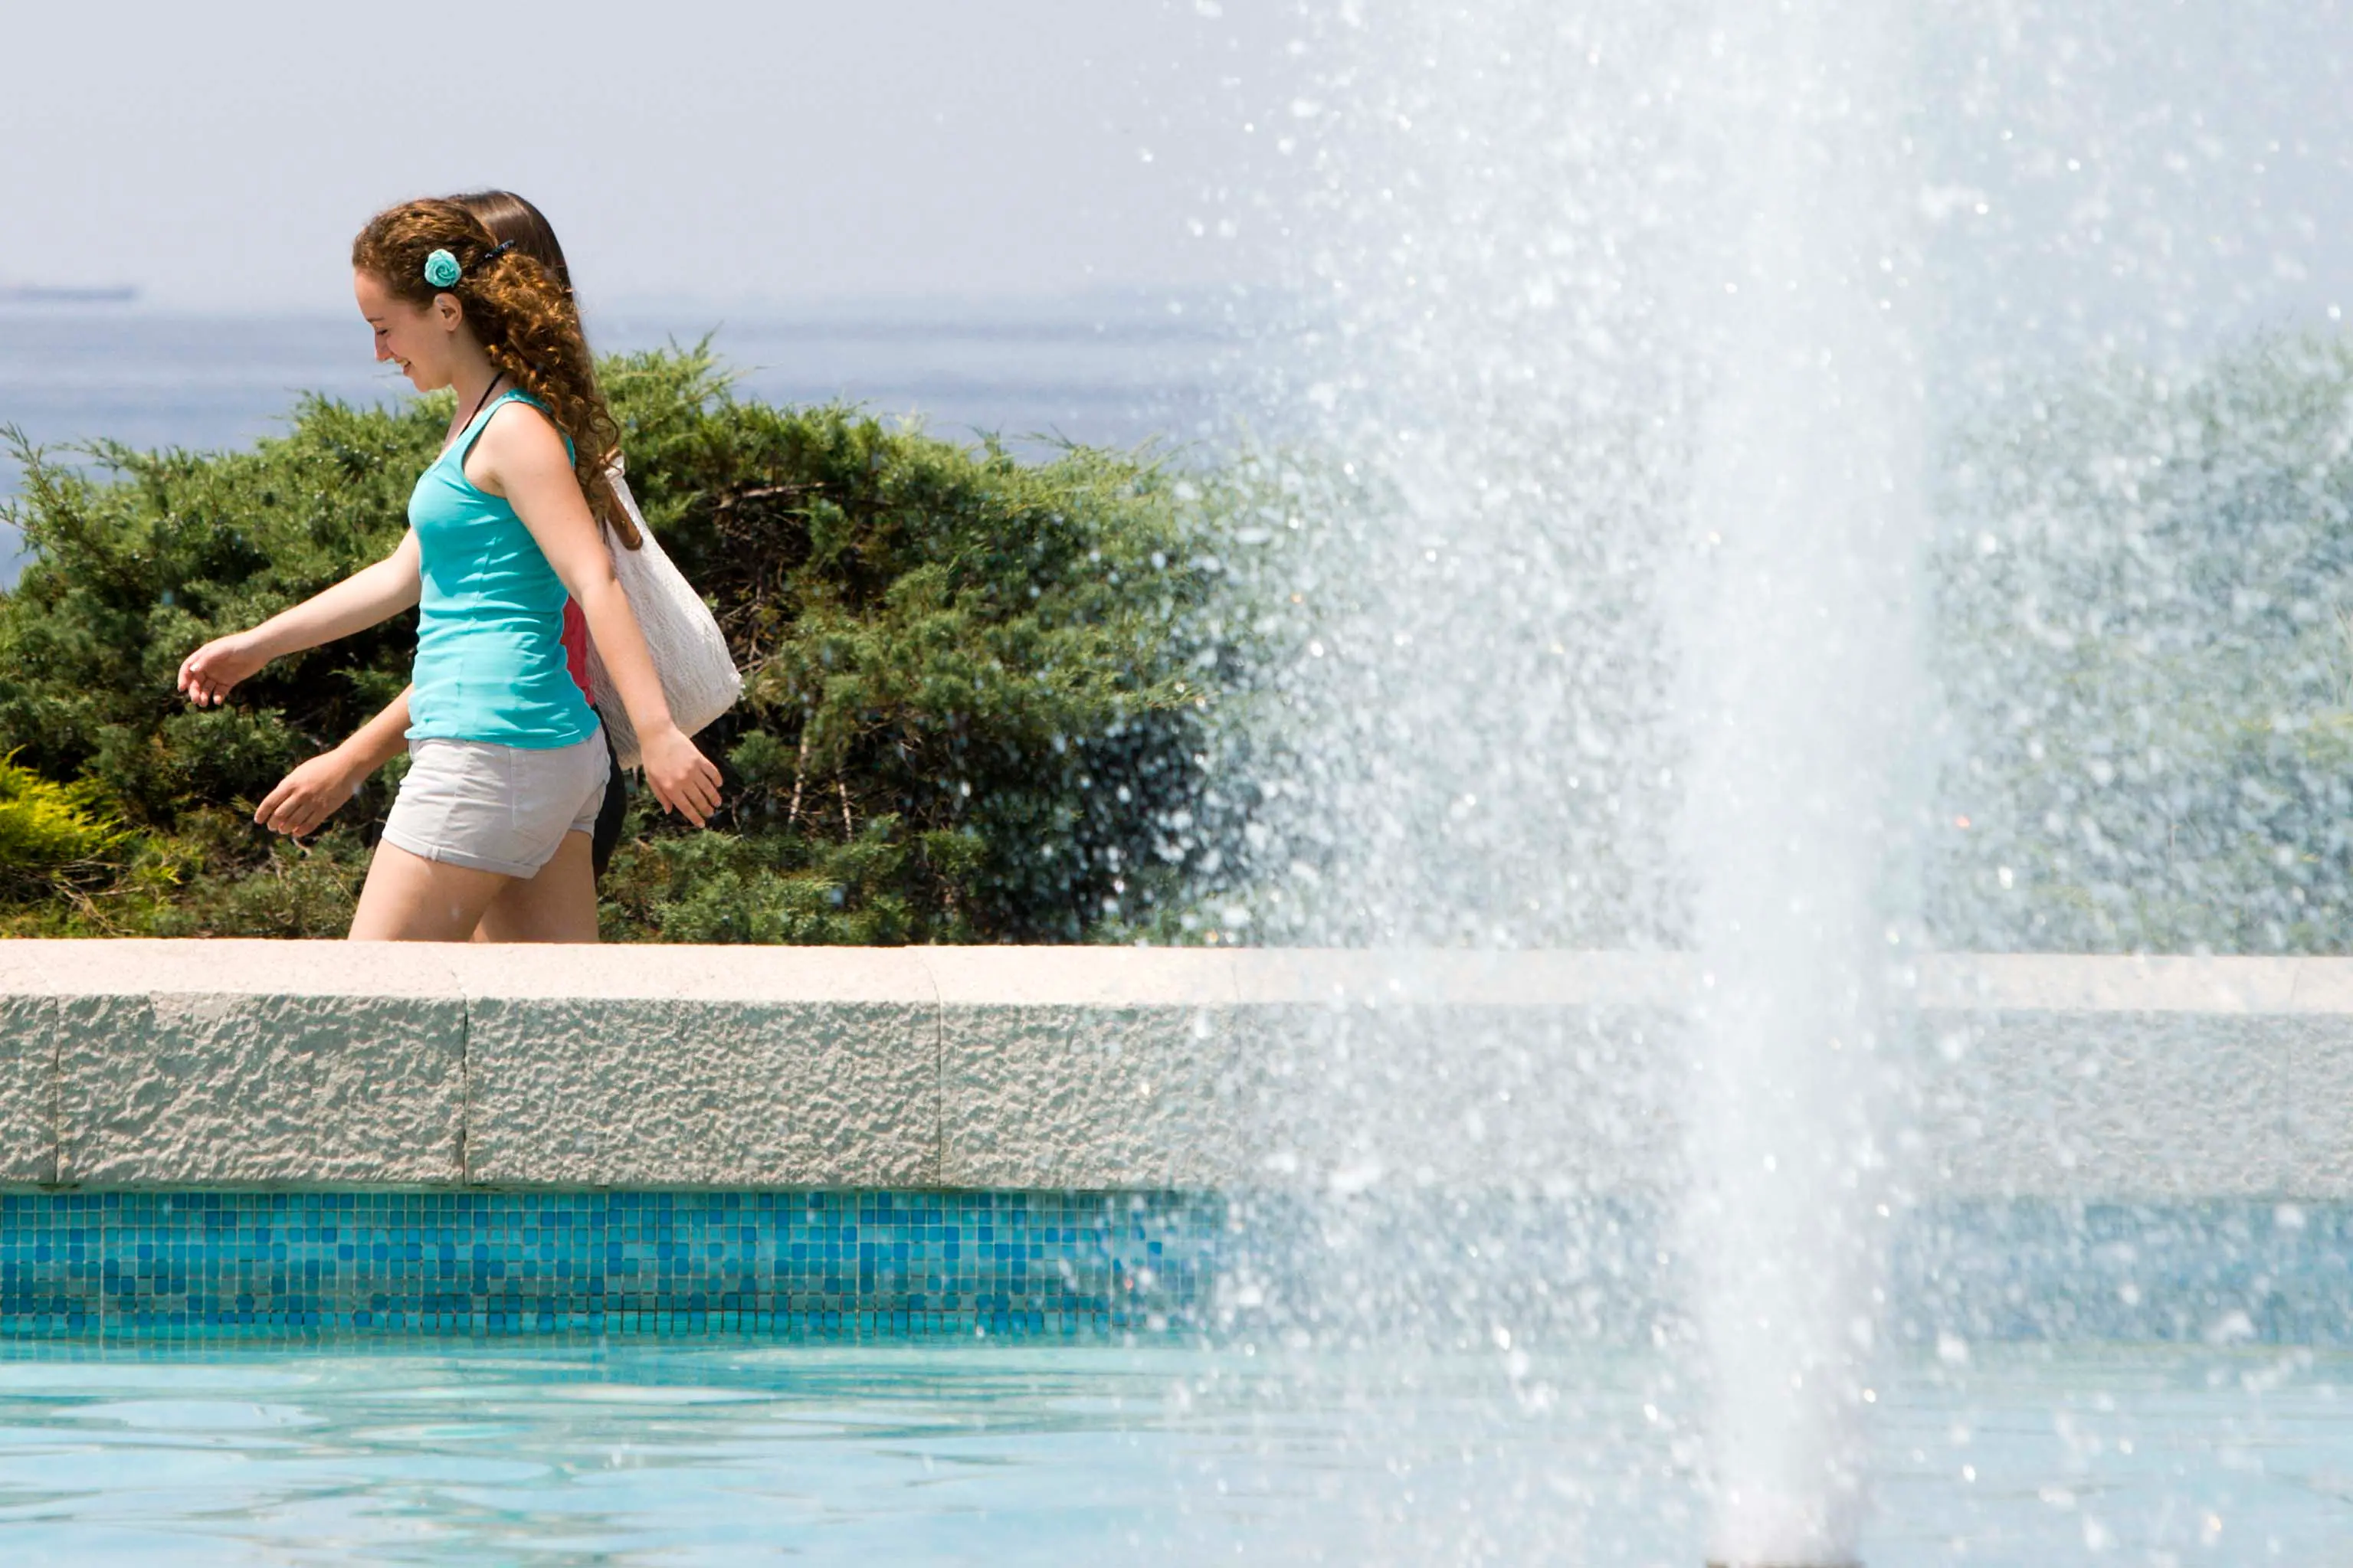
(316, 789)
(508, 769)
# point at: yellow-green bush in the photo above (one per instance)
(49, 829)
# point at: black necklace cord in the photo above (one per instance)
(480, 404)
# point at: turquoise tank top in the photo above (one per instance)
(490, 650)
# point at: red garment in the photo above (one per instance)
(576, 647)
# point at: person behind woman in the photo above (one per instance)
(507, 766)
(319, 787)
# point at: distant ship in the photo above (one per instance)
(59, 294)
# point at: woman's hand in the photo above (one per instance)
(683, 779)
(309, 794)
(212, 671)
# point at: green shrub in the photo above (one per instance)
(49, 831)
(979, 697)
(2143, 638)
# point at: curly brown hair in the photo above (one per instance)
(523, 316)
(515, 220)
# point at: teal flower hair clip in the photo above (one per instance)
(442, 269)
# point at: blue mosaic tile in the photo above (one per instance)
(850, 1262)
(2221, 1270)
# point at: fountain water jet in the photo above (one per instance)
(1614, 328)
(1798, 626)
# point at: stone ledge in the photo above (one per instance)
(152, 1064)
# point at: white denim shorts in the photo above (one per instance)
(496, 808)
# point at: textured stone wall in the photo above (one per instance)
(144, 1064)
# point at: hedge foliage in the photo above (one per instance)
(980, 701)
(991, 700)
(2146, 632)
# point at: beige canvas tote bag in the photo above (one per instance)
(689, 652)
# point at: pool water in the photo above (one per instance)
(721, 1451)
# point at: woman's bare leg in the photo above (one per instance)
(409, 899)
(557, 905)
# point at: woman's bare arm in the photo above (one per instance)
(521, 457)
(369, 596)
(318, 788)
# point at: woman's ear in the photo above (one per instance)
(448, 312)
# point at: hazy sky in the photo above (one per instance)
(221, 156)
(2182, 162)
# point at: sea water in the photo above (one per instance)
(1118, 369)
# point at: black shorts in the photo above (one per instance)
(608, 815)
